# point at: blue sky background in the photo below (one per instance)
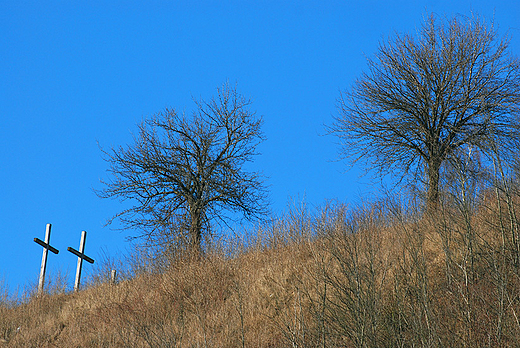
(73, 74)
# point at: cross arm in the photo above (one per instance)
(46, 245)
(80, 255)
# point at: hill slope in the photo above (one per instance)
(369, 277)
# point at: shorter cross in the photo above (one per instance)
(46, 247)
(81, 256)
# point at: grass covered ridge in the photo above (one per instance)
(374, 276)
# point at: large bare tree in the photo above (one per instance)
(184, 171)
(428, 98)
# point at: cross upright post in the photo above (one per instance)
(46, 247)
(81, 256)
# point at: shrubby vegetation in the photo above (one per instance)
(379, 275)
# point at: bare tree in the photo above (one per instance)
(428, 99)
(184, 172)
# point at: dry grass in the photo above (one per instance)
(368, 277)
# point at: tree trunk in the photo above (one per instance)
(195, 234)
(433, 198)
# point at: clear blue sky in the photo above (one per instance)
(74, 73)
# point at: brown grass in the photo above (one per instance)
(366, 277)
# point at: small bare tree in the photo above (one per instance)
(427, 100)
(183, 172)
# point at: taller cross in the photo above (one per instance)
(46, 247)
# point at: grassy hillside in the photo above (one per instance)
(374, 276)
